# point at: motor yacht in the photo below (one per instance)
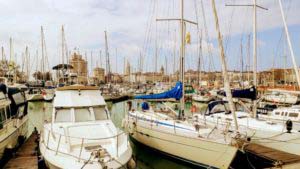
(81, 133)
(13, 119)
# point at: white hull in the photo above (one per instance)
(204, 99)
(34, 97)
(260, 132)
(10, 133)
(288, 99)
(194, 149)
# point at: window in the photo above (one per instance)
(2, 117)
(285, 114)
(100, 113)
(83, 114)
(63, 115)
(277, 113)
(293, 115)
(8, 112)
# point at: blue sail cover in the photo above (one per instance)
(175, 93)
(249, 93)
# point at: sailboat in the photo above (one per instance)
(167, 131)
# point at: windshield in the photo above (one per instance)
(100, 113)
(83, 114)
(63, 115)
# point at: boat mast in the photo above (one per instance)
(182, 51)
(199, 59)
(107, 59)
(182, 63)
(224, 67)
(290, 44)
(27, 62)
(43, 53)
(254, 6)
(63, 51)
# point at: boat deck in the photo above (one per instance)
(277, 156)
(26, 156)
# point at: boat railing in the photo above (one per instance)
(90, 144)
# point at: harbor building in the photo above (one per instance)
(79, 67)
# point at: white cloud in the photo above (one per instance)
(125, 21)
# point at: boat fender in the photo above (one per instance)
(289, 126)
(131, 164)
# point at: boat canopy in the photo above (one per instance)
(249, 93)
(175, 93)
(212, 104)
(78, 98)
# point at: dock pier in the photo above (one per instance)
(26, 156)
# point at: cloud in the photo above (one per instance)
(127, 24)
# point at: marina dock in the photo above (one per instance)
(26, 157)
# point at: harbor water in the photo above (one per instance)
(146, 158)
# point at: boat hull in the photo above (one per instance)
(10, 133)
(35, 97)
(193, 150)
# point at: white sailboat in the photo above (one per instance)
(172, 134)
(263, 131)
(81, 133)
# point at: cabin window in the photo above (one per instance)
(285, 114)
(8, 115)
(282, 113)
(2, 117)
(83, 114)
(63, 115)
(293, 115)
(277, 113)
(100, 113)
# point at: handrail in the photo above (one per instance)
(56, 148)
(88, 138)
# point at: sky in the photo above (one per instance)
(133, 32)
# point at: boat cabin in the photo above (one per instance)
(292, 113)
(85, 105)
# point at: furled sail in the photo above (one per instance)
(175, 93)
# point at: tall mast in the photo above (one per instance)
(224, 67)
(254, 46)
(62, 45)
(182, 51)
(199, 59)
(2, 53)
(290, 45)
(63, 50)
(242, 63)
(27, 62)
(10, 50)
(254, 6)
(43, 53)
(107, 59)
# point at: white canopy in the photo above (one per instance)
(78, 98)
